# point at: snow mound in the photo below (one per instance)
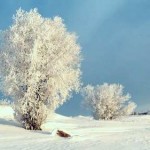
(6, 112)
(129, 133)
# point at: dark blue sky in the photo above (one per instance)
(115, 40)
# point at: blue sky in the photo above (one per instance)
(115, 40)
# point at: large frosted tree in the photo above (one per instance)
(40, 66)
(108, 101)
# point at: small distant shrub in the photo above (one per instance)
(108, 101)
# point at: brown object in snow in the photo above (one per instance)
(63, 134)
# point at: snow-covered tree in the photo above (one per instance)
(107, 101)
(40, 65)
(5, 102)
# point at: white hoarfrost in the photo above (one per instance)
(40, 65)
(107, 101)
(5, 102)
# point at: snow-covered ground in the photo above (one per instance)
(131, 133)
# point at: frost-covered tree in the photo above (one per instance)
(5, 102)
(108, 101)
(40, 65)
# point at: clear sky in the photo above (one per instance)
(115, 40)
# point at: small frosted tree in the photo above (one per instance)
(107, 101)
(5, 102)
(40, 66)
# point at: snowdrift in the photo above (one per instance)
(130, 133)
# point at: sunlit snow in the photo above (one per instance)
(128, 133)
